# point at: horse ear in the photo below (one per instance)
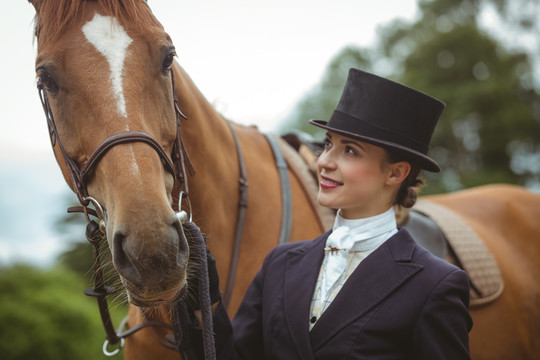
(36, 4)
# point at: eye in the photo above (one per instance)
(46, 81)
(349, 150)
(327, 143)
(168, 61)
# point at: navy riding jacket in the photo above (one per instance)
(401, 302)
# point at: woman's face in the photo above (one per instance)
(353, 177)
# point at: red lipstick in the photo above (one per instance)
(327, 183)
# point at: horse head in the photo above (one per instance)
(104, 72)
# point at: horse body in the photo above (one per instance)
(214, 189)
(214, 195)
(96, 90)
(507, 218)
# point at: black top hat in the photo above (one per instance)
(388, 114)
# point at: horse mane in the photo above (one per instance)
(54, 17)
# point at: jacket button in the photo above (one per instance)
(313, 320)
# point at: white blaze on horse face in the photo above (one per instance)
(111, 40)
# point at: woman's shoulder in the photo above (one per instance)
(423, 257)
(434, 271)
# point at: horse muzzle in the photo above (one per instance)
(151, 260)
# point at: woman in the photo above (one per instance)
(363, 290)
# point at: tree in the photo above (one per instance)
(490, 131)
(45, 315)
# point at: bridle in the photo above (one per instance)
(175, 164)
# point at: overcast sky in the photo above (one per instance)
(253, 59)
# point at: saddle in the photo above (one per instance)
(436, 228)
(464, 247)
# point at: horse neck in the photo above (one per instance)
(213, 189)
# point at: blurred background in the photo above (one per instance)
(274, 64)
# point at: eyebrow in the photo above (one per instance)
(347, 141)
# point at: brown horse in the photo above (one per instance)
(104, 67)
(105, 70)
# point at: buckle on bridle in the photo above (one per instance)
(99, 213)
(115, 351)
(181, 214)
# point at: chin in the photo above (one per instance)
(324, 200)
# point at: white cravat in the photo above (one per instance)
(361, 236)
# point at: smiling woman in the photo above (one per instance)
(351, 172)
(365, 289)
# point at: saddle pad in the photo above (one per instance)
(471, 253)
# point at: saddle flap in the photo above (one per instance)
(470, 252)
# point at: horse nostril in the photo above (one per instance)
(150, 259)
(121, 259)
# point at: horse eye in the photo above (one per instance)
(46, 81)
(168, 61)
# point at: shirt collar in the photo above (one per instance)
(362, 234)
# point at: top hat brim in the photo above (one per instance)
(422, 160)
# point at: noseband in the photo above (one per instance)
(174, 164)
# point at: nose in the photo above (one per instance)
(151, 260)
(326, 160)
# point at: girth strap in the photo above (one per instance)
(286, 198)
(242, 206)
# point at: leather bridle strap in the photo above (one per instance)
(100, 291)
(176, 165)
(72, 167)
(125, 138)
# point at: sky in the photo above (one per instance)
(252, 59)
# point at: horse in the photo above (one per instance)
(116, 98)
(106, 69)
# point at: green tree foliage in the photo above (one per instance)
(490, 109)
(321, 101)
(490, 130)
(45, 315)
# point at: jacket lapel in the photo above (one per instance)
(300, 277)
(377, 276)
